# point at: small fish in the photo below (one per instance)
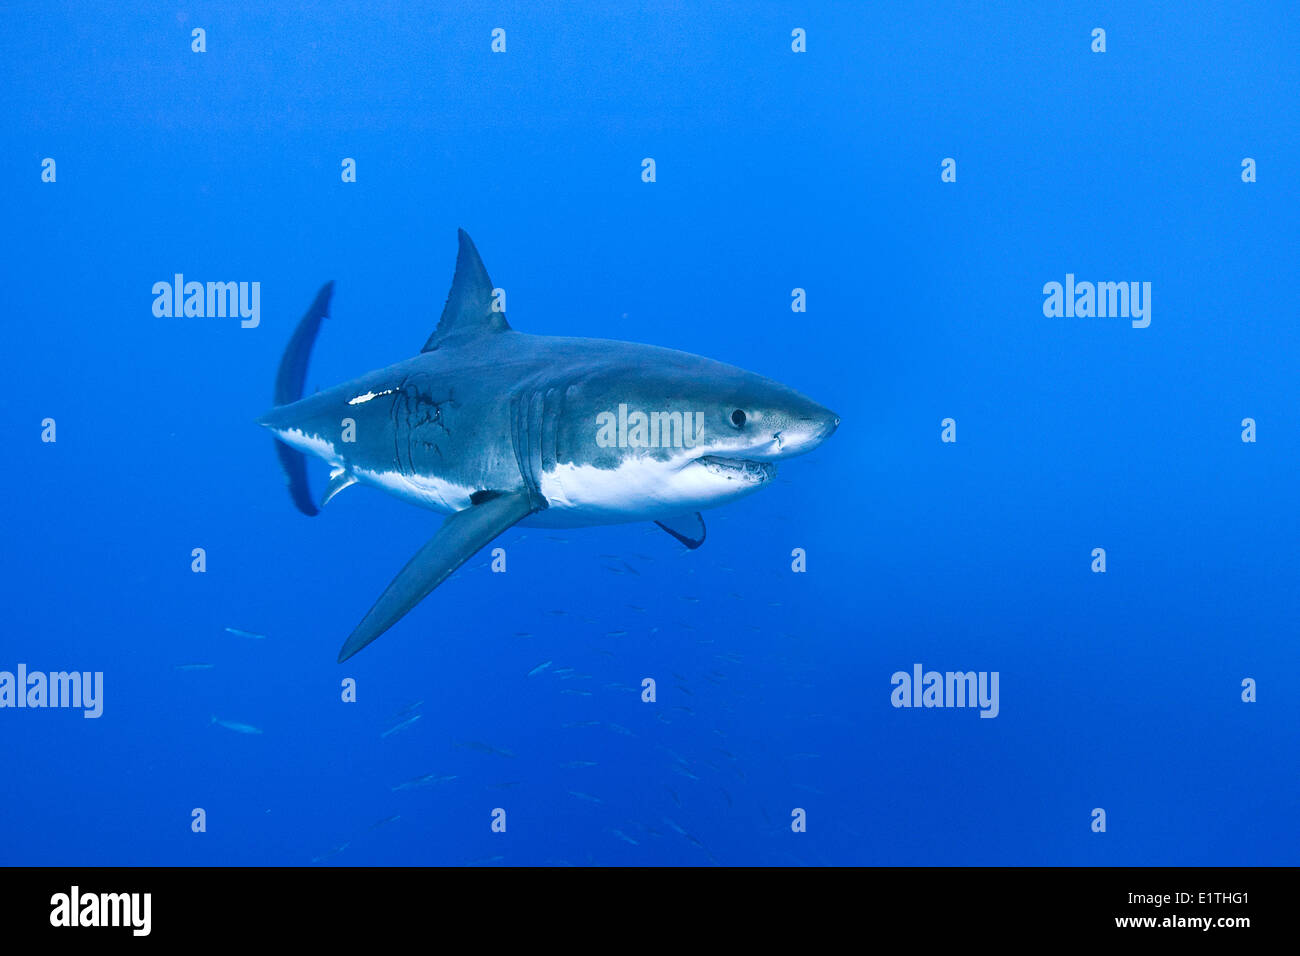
(504, 786)
(675, 827)
(693, 840)
(620, 729)
(483, 748)
(802, 756)
(523, 633)
(585, 796)
(428, 780)
(485, 859)
(557, 612)
(332, 851)
(385, 821)
(632, 569)
(685, 690)
(678, 768)
(576, 764)
(580, 723)
(674, 754)
(408, 709)
(575, 692)
(539, 668)
(624, 837)
(195, 667)
(396, 728)
(563, 670)
(613, 570)
(248, 634)
(616, 633)
(235, 726)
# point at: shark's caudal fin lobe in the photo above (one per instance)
(293, 364)
(459, 538)
(288, 389)
(468, 310)
(688, 529)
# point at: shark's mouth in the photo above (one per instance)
(739, 469)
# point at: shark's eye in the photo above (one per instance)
(738, 418)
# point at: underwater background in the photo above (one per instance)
(775, 170)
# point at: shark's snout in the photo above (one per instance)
(831, 423)
(805, 434)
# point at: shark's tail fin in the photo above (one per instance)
(288, 389)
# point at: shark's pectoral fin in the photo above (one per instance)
(288, 389)
(688, 529)
(340, 478)
(460, 536)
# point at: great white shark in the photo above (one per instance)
(494, 427)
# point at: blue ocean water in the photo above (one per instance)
(775, 170)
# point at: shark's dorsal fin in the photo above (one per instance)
(469, 304)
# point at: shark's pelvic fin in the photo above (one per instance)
(460, 536)
(288, 389)
(340, 478)
(688, 529)
(469, 304)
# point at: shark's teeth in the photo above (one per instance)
(738, 469)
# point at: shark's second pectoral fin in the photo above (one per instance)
(688, 529)
(459, 538)
(340, 478)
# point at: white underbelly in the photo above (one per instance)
(427, 491)
(637, 490)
